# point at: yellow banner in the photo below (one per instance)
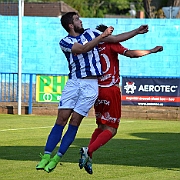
(49, 88)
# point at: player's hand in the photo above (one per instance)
(157, 49)
(107, 32)
(142, 29)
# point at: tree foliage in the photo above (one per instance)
(153, 8)
(99, 8)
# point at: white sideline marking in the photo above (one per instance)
(17, 129)
(126, 121)
(26, 128)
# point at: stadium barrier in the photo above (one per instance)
(33, 91)
(29, 95)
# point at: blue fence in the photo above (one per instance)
(9, 88)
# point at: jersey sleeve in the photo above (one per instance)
(96, 32)
(66, 44)
(118, 48)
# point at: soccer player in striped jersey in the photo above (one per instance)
(81, 90)
(108, 104)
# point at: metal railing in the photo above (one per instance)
(9, 88)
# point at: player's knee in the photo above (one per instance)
(75, 122)
(62, 119)
(114, 132)
(76, 119)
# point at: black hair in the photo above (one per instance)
(101, 27)
(67, 19)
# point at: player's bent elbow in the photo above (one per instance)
(78, 48)
(130, 55)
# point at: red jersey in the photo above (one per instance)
(110, 63)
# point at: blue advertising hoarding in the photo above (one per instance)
(150, 91)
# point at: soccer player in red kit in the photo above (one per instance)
(108, 105)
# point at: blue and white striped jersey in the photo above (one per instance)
(82, 65)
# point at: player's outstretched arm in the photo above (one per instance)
(127, 35)
(140, 53)
(79, 48)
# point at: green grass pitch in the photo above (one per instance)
(141, 150)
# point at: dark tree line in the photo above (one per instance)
(100, 8)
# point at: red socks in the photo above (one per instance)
(95, 134)
(98, 139)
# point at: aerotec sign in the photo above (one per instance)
(151, 91)
(49, 88)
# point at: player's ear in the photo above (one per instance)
(71, 26)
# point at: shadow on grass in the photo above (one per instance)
(160, 150)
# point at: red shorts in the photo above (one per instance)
(108, 106)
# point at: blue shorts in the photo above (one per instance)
(79, 95)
